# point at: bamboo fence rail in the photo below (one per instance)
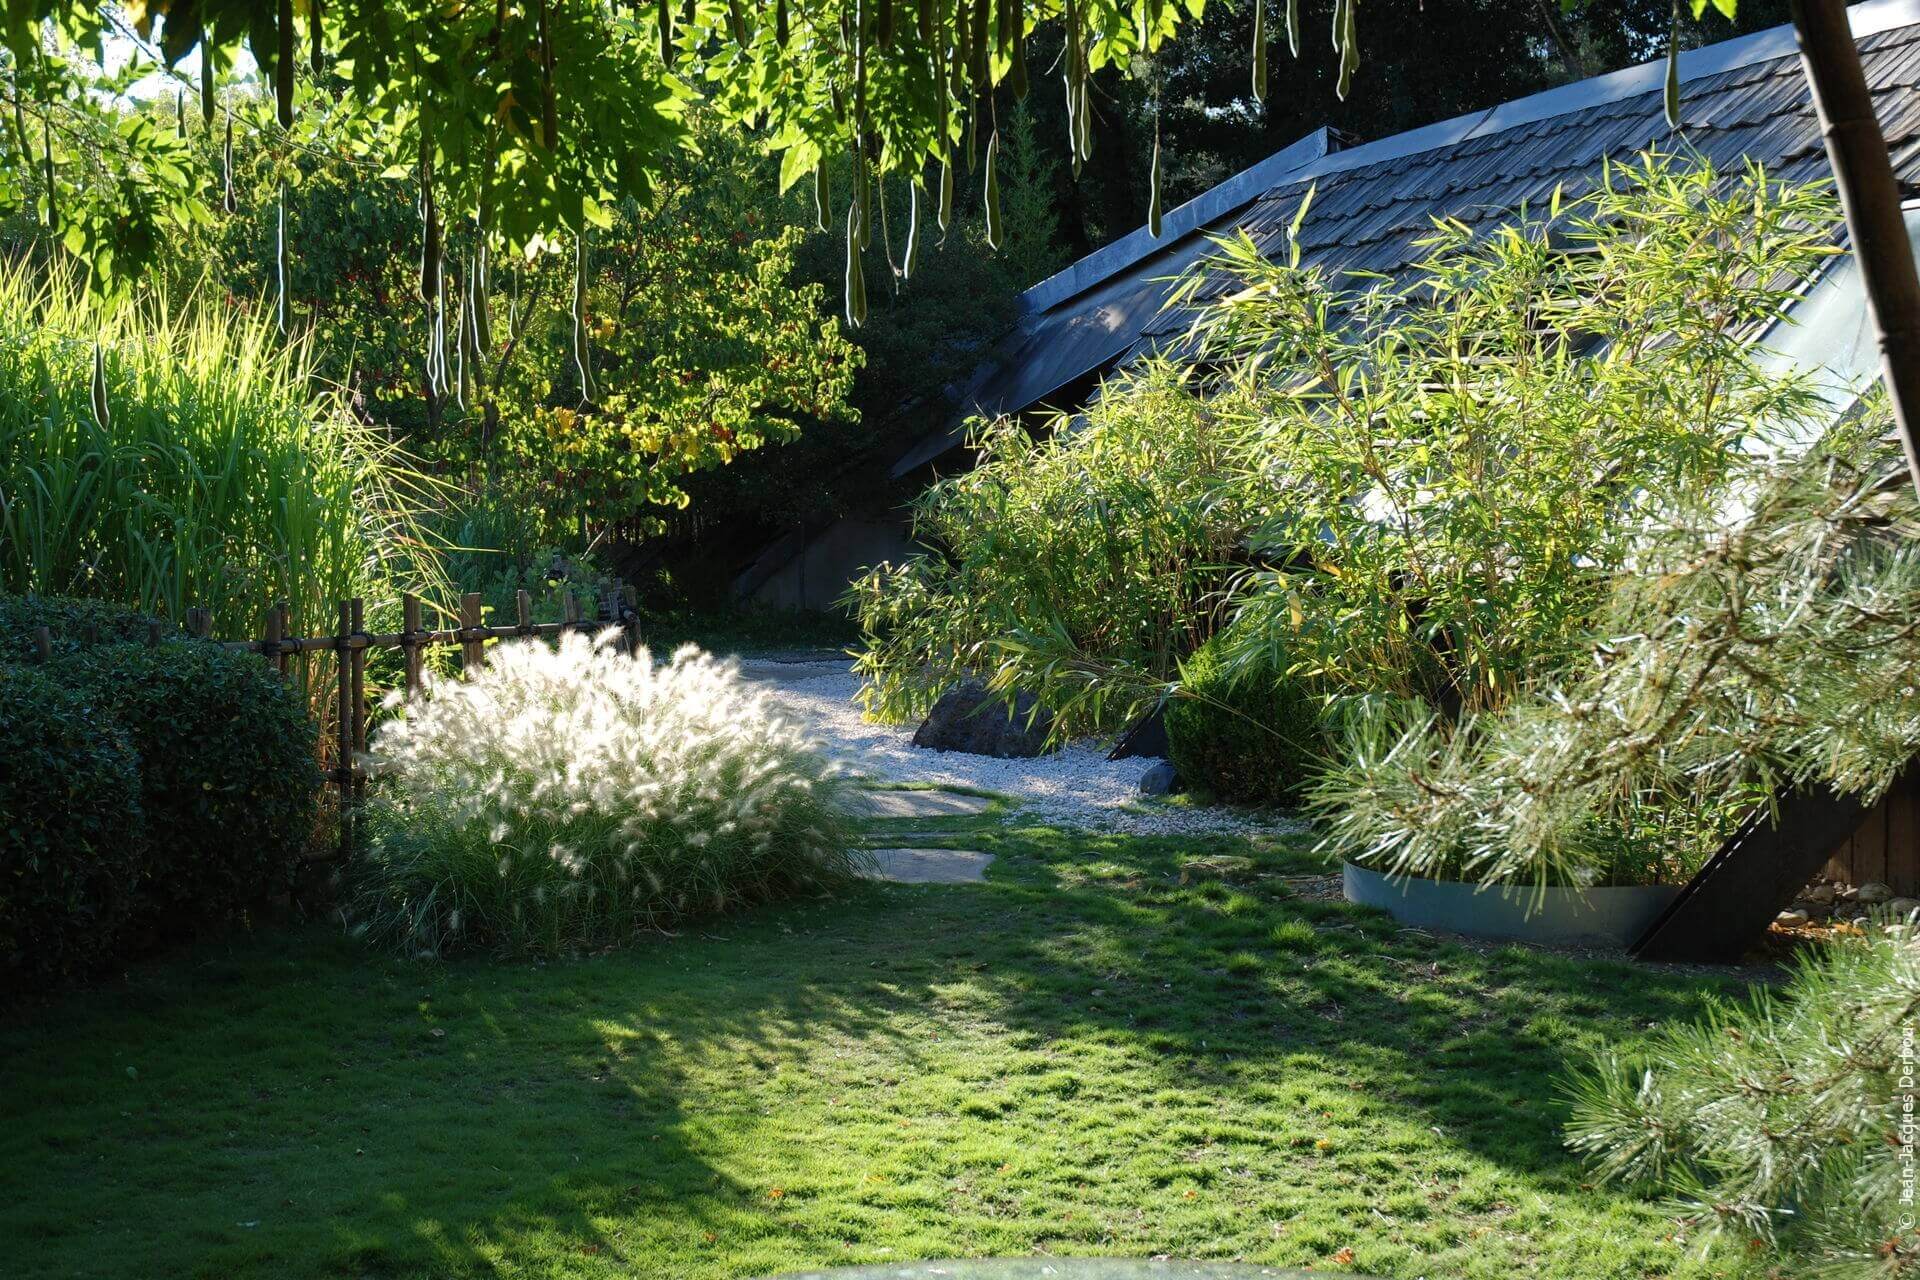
(350, 642)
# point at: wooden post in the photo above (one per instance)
(630, 617)
(42, 644)
(357, 616)
(1870, 197)
(410, 640)
(523, 611)
(569, 608)
(270, 642)
(473, 650)
(200, 623)
(153, 633)
(343, 771)
(285, 660)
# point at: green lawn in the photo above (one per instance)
(1107, 1049)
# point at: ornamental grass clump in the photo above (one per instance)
(565, 799)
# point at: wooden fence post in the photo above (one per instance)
(473, 649)
(523, 611)
(200, 623)
(410, 640)
(270, 641)
(569, 609)
(42, 644)
(343, 772)
(358, 620)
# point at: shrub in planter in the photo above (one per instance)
(1246, 734)
(72, 843)
(573, 797)
(228, 774)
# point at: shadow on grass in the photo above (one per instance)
(290, 1104)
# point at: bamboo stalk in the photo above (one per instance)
(343, 771)
(472, 648)
(1870, 197)
(409, 640)
(357, 661)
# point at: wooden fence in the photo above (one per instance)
(350, 642)
(1887, 845)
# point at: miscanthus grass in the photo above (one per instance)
(567, 798)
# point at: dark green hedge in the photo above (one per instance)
(145, 790)
(1256, 739)
(228, 775)
(68, 621)
(72, 840)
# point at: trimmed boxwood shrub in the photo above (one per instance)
(68, 620)
(1253, 737)
(228, 776)
(72, 843)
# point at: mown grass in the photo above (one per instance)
(1114, 1046)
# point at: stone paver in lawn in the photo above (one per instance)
(926, 804)
(930, 866)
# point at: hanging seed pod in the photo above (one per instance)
(991, 195)
(227, 201)
(928, 22)
(280, 261)
(962, 46)
(1339, 23)
(208, 104)
(1293, 27)
(1349, 51)
(1005, 15)
(664, 15)
(1259, 50)
(580, 317)
(1154, 9)
(737, 24)
(429, 246)
(863, 191)
(460, 344)
(549, 109)
(481, 310)
(179, 113)
(1153, 187)
(283, 64)
(856, 275)
(822, 198)
(946, 190)
(53, 207)
(1017, 74)
(912, 257)
(973, 132)
(316, 38)
(883, 26)
(781, 31)
(97, 389)
(1084, 119)
(980, 31)
(1670, 89)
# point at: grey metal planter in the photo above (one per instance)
(1551, 917)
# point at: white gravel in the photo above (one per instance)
(1076, 784)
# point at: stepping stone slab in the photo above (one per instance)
(930, 866)
(926, 804)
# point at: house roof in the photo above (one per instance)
(1741, 100)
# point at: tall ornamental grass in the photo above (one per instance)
(568, 799)
(211, 473)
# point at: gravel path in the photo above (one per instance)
(1076, 784)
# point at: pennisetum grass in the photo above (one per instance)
(568, 798)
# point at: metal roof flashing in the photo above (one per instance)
(1211, 205)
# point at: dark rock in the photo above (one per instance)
(1159, 780)
(1146, 736)
(968, 719)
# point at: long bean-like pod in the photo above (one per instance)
(1260, 50)
(227, 202)
(912, 257)
(580, 352)
(990, 195)
(1154, 187)
(946, 188)
(856, 289)
(283, 64)
(280, 261)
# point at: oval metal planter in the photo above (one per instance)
(1612, 917)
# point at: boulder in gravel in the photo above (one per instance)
(1158, 780)
(1821, 893)
(1903, 907)
(1873, 893)
(969, 719)
(1792, 918)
